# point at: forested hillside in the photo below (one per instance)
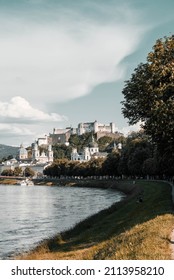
(6, 151)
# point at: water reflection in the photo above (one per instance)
(30, 214)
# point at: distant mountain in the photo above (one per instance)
(6, 151)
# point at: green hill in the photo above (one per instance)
(6, 151)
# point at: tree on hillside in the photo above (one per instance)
(135, 151)
(103, 142)
(80, 141)
(62, 151)
(150, 167)
(7, 172)
(29, 172)
(149, 94)
(111, 163)
(17, 171)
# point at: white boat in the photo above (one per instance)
(22, 183)
(26, 182)
(29, 182)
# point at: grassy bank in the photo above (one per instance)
(8, 181)
(127, 230)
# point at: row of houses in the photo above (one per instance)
(37, 159)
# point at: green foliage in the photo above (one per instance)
(103, 142)
(150, 166)
(110, 165)
(17, 171)
(95, 167)
(137, 149)
(149, 94)
(62, 151)
(5, 151)
(64, 167)
(7, 172)
(138, 157)
(29, 172)
(80, 141)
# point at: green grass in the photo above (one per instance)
(127, 230)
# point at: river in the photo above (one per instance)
(31, 214)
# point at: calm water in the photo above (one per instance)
(30, 214)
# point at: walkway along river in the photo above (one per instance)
(31, 214)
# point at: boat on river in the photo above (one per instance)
(26, 182)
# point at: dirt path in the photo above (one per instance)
(172, 233)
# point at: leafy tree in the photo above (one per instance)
(17, 171)
(80, 169)
(57, 168)
(95, 167)
(149, 94)
(62, 151)
(136, 161)
(52, 170)
(110, 165)
(135, 151)
(58, 154)
(7, 172)
(150, 167)
(74, 140)
(80, 141)
(29, 172)
(166, 163)
(103, 142)
(9, 157)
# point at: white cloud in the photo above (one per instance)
(19, 109)
(53, 55)
(126, 130)
(11, 129)
(64, 60)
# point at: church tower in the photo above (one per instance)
(22, 153)
(93, 146)
(50, 154)
(35, 152)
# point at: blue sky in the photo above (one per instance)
(65, 62)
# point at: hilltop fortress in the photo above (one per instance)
(61, 136)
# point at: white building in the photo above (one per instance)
(60, 136)
(43, 141)
(88, 152)
(22, 153)
(95, 127)
(44, 156)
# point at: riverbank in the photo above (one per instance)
(127, 187)
(131, 229)
(123, 186)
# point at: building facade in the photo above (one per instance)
(41, 157)
(22, 153)
(60, 136)
(95, 127)
(92, 151)
(44, 141)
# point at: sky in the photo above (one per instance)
(63, 62)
